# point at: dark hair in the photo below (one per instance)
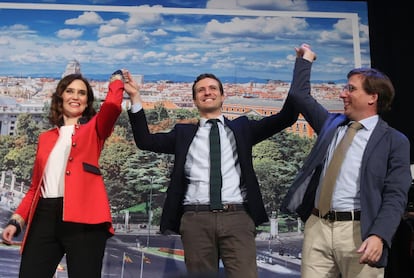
(207, 75)
(376, 82)
(56, 106)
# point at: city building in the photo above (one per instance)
(10, 109)
(72, 67)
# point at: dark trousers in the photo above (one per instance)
(208, 237)
(49, 239)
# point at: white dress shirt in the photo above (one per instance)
(197, 166)
(53, 177)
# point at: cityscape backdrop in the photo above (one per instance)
(244, 42)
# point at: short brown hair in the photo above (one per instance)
(376, 82)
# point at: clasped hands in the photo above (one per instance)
(305, 52)
(130, 85)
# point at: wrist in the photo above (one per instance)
(16, 224)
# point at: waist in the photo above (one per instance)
(226, 208)
(58, 201)
(339, 215)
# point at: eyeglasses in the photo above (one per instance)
(349, 88)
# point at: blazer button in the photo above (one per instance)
(74, 144)
(67, 172)
(70, 158)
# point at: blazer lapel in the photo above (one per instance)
(378, 132)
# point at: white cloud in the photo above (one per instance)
(17, 30)
(87, 18)
(18, 27)
(113, 26)
(284, 5)
(4, 40)
(171, 42)
(183, 58)
(340, 60)
(69, 33)
(260, 27)
(135, 37)
(159, 32)
(130, 55)
(342, 33)
(151, 55)
(138, 19)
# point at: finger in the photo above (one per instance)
(127, 76)
(6, 242)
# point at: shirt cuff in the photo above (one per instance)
(136, 107)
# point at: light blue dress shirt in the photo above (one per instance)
(346, 195)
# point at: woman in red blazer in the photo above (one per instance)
(66, 209)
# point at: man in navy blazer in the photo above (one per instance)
(370, 196)
(210, 235)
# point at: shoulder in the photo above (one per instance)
(186, 126)
(391, 130)
(394, 137)
(53, 130)
(236, 120)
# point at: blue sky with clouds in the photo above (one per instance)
(231, 38)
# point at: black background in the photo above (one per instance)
(390, 36)
(391, 51)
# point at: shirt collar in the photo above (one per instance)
(203, 121)
(370, 122)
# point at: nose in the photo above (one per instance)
(77, 94)
(343, 93)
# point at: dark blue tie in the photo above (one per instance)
(215, 166)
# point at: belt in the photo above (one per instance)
(226, 208)
(339, 215)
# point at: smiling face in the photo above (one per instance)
(74, 101)
(358, 104)
(208, 97)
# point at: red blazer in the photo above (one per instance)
(85, 196)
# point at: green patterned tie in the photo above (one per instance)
(215, 166)
(325, 196)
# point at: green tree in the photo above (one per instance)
(181, 114)
(28, 128)
(266, 149)
(20, 160)
(7, 143)
(19, 155)
(157, 114)
(276, 162)
(123, 121)
(45, 116)
(113, 163)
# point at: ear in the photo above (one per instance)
(373, 99)
(223, 97)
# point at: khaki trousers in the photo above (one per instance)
(329, 250)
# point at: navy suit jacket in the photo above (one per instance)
(247, 133)
(385, 176)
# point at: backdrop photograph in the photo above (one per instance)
(165, 44)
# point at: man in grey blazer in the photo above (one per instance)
(370, 194)
(209, 235)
